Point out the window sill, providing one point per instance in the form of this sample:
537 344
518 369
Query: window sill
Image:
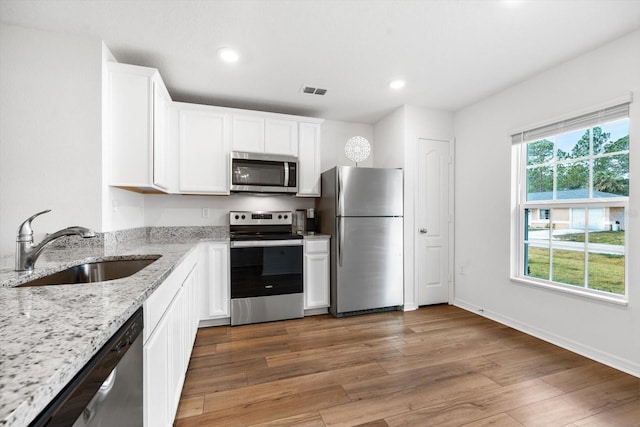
613 299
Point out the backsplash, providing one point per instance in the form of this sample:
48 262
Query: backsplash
152 234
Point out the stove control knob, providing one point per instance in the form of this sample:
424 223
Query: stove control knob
237 216
279 216
243 217
286 216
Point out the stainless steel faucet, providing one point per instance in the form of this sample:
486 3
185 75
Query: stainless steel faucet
27 253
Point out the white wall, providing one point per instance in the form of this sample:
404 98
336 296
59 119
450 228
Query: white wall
389 140
335 135
173 210
396 137
165 210
604 331
50 131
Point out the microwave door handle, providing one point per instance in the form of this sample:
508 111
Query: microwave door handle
286 174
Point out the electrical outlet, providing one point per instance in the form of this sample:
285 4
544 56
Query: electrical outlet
205 212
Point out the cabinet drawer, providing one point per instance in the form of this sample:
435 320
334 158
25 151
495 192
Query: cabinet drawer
316 246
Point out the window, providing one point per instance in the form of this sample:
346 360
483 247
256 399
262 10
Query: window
573 197
544 214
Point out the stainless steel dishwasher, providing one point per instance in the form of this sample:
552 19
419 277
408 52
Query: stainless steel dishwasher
108 389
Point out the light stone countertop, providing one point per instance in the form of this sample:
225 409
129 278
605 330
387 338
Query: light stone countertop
48 333
309 236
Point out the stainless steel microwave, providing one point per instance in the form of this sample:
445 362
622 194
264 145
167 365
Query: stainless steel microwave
263 173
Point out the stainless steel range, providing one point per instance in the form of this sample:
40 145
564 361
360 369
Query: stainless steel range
266 267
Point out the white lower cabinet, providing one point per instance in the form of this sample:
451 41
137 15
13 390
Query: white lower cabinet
316 273
156 376
215 295
169 332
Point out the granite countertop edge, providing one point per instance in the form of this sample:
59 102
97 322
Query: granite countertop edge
66 325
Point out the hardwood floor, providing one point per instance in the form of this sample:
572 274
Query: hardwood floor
437 366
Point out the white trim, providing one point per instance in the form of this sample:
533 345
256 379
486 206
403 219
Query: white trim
629 366
573 290
452 228
214 322
409 307
450 221
626 98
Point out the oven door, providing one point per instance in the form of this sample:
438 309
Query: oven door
263 173
266 281
262 268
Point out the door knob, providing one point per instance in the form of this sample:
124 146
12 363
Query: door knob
423 230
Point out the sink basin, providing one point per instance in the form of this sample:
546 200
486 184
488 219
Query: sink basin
99 271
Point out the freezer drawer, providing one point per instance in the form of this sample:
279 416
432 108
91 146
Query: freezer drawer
369 264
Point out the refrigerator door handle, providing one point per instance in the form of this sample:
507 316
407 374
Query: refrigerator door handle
339 193
340 241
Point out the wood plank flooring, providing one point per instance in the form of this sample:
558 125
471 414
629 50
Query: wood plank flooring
437 366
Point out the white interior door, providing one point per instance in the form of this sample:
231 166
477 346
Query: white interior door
432 221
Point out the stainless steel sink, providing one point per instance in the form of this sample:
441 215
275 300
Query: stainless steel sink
99 271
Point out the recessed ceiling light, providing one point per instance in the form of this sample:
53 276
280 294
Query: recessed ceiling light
228 55
396 84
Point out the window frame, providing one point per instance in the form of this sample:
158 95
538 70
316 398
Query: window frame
521 205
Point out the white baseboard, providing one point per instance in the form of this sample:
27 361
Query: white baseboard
214 322
315 311
625 365
409 307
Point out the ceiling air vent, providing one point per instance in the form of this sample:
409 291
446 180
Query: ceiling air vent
313 90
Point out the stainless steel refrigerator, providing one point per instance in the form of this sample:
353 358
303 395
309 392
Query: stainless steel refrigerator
362 209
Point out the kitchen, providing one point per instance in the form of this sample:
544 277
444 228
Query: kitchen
48 99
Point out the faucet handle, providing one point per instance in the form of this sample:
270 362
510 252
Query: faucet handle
25 232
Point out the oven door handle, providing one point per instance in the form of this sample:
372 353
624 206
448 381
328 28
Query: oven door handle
265 243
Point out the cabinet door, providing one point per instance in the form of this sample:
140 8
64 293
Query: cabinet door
309 160
204 151
316 272
248 134
176 342
130 125
161 134
281 137
156 377
190 312
215 293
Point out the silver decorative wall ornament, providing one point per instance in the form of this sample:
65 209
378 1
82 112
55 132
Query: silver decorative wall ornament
357 149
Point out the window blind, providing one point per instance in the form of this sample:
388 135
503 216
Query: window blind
580 122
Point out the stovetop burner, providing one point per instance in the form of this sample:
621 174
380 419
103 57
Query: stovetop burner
261 225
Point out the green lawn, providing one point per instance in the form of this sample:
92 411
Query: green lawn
608 237
606 272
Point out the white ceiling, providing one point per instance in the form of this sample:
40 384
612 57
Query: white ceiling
451 53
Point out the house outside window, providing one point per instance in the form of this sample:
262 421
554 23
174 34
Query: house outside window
573 180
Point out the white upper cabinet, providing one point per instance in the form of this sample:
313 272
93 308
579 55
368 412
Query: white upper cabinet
248 134
137 128
265 134
281 137
161 134
204 149
309 160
